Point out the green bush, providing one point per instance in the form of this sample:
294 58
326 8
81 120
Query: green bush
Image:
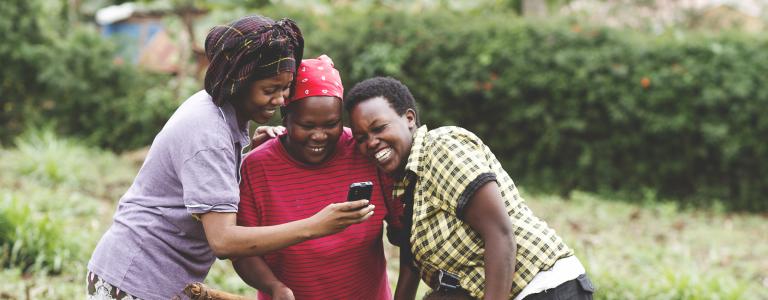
50 211
31 241
566 106
64 75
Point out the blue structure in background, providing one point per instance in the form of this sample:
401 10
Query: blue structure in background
132 36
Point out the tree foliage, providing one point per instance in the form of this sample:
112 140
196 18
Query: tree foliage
569 106
64 74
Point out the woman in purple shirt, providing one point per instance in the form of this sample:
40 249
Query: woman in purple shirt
179 213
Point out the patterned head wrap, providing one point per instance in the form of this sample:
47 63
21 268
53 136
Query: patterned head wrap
251 48
317 77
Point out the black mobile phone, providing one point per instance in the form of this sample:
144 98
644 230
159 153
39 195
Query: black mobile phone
360 190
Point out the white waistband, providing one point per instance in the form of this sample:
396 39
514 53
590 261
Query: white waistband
563 270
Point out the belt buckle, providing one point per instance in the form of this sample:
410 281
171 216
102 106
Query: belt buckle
447 281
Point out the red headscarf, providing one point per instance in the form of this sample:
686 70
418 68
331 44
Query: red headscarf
317 77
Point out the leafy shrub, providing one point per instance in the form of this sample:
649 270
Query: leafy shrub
568 106
31 241
65 76
49 208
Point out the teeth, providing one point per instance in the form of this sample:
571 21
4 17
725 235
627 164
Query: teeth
317 149
383 154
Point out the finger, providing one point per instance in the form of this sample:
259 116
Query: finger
265 131
353 205
271 131
364 217
276 130
356 216
259 138
368 215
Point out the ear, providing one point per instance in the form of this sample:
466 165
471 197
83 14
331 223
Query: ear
410 116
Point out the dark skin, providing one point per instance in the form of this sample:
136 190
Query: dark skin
256 273
485 213
226 239
378 128
313 126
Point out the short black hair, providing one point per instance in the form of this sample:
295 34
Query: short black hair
395 92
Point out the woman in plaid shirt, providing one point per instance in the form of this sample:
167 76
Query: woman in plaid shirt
465 235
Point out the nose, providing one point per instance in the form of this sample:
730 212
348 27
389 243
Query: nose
279 100
372 142
319 136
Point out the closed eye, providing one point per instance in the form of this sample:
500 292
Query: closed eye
276 89
359 139
378 129
332 125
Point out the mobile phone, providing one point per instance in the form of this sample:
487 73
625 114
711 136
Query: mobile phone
360 190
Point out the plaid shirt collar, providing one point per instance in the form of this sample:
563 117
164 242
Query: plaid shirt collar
419 139
412 165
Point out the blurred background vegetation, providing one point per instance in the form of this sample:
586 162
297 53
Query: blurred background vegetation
659 104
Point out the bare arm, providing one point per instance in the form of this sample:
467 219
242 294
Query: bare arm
408 279
229 240
256 273
486 214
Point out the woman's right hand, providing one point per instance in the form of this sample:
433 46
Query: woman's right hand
337 216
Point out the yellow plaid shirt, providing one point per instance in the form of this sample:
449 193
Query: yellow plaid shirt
448 165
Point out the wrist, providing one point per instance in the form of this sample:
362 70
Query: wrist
308 229
273 286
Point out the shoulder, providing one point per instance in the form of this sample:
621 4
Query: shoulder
450 135
346 144
199 122
346 139
267 150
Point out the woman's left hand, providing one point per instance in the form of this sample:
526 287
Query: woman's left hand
264 133
282 293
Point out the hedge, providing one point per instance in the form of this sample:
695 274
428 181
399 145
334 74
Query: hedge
65 76
563 105
567 106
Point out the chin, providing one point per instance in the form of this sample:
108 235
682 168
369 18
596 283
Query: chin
263 118
316 160
387 169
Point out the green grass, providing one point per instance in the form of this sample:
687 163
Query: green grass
58 198
660 252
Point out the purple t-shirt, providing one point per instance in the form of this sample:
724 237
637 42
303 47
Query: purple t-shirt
155 246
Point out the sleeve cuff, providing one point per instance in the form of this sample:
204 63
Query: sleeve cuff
472 187
396 236
205 208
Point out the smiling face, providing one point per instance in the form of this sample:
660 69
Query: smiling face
263 98
314 127
382 135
